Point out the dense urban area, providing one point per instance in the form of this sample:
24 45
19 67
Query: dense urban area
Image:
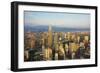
50 45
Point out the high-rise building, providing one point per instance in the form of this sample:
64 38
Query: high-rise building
50 36
48 54
55 39
29 40
73 47
68 35
86 38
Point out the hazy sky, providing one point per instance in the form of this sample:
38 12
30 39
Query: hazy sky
60 19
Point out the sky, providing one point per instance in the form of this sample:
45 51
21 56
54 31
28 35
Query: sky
59 19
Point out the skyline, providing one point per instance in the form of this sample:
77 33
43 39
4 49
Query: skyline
57 19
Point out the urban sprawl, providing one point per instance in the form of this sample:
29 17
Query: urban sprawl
50 45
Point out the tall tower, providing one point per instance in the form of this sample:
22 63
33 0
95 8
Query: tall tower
50 36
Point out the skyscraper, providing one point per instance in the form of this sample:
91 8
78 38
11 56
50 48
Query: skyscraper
50 36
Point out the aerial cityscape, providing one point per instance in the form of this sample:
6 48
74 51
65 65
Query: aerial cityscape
49 41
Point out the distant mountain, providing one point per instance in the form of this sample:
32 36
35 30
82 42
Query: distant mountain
44 28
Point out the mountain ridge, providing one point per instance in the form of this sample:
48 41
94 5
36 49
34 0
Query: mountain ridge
44 28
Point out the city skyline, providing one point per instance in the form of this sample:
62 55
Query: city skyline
45 38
